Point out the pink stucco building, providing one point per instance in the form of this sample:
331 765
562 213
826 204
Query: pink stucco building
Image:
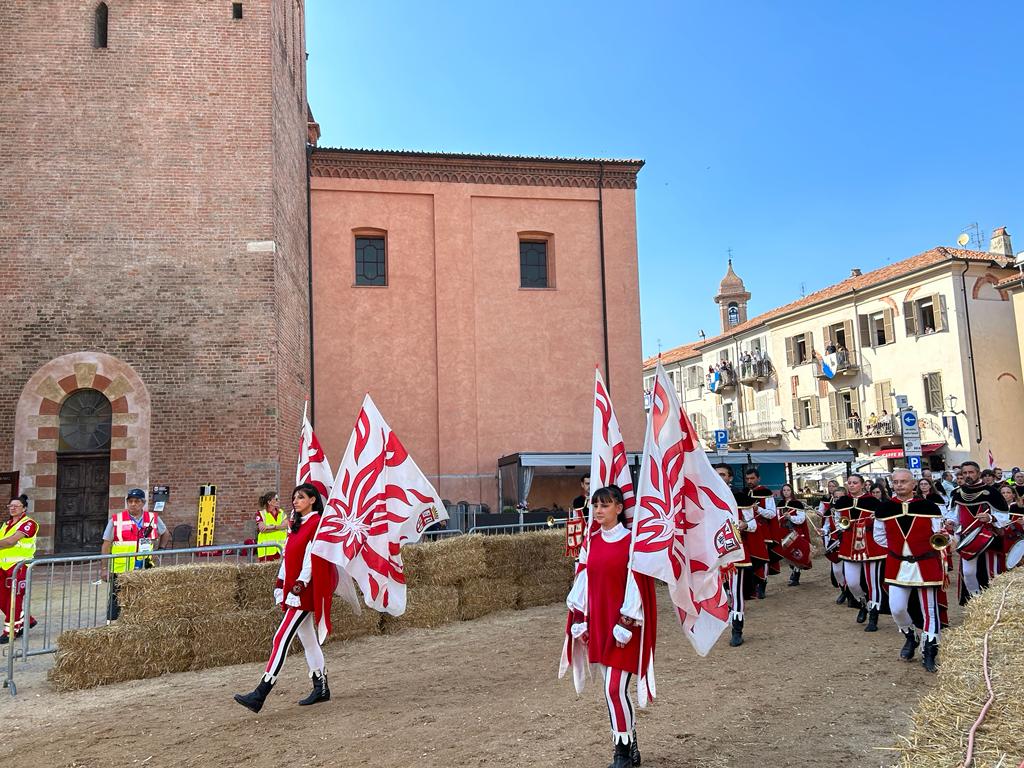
472 296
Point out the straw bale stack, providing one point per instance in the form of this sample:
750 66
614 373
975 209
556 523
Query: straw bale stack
518 555
446 562
256 585
943 717
547 584
426 607
177 592
479 597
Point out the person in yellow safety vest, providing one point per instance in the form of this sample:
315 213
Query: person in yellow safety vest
17 544
132 531
271 527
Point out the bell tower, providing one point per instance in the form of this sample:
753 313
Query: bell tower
732 300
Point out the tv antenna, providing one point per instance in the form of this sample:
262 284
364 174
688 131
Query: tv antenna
803 289
970 235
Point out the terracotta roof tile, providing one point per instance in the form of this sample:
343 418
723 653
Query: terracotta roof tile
674 355
854 282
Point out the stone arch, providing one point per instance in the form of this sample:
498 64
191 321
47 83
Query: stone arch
889 302
37 420
983 292
1005 375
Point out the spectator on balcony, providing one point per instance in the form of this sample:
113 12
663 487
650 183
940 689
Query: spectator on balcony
830 348
842 356
872 424
854 422
884 423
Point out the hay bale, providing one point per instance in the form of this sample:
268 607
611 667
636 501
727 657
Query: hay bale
479 597
517 555
177 592
446 562
256 586
345 625
942 718
426 607
240 637
117 652
545 586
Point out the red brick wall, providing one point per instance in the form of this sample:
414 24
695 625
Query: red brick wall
140 174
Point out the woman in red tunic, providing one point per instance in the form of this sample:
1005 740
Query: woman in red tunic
616 616
303 590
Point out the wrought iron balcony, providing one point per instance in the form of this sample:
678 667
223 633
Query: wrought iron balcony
844 429
755 371
754 431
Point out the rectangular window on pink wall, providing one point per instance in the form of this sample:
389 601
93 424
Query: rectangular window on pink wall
533 264
371 261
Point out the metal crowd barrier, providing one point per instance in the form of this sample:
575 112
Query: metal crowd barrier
75 596
517 527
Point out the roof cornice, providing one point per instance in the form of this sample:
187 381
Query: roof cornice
474 169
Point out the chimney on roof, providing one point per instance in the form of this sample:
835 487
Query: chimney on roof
1000 244
855 272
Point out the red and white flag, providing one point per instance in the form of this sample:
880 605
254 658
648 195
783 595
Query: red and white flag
609 464
313 466
684 529
991 459
380 501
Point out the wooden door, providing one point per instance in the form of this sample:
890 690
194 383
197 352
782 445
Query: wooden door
83 490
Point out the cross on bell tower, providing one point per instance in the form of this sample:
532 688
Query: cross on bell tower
732 299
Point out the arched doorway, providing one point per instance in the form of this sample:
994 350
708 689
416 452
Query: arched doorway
83 471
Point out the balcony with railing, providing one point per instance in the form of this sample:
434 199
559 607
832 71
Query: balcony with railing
836 364
721 379
752 432
755 371
842 430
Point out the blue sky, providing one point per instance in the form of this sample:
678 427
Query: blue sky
808 137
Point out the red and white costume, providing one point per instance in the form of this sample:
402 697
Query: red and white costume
830 539
966 503
914 570
863 558
755 556
604 590
304 612
792 518
769 530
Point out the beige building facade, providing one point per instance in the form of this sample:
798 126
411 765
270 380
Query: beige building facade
826 371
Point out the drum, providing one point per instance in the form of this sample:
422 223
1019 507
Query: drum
795 549
976 542
1015 555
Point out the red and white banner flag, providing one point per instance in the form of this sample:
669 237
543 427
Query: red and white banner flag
609 464
991 459
380 501
313 466
684 529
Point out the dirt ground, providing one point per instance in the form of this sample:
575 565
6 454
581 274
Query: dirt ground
809 688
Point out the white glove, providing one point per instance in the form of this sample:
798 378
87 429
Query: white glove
622 634
578 630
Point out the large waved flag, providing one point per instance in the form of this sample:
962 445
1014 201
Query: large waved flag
684 528
313 466
991 459
609 464
829 364
380 501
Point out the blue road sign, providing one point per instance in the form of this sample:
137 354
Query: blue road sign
913 462
721 438
909 419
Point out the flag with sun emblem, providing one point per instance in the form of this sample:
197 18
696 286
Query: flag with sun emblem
380 500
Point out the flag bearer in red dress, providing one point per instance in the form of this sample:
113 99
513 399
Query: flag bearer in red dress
914 568
768 530
863 558
305 584
743 579
616 616
17 544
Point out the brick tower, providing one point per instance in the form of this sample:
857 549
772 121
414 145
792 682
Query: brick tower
153 252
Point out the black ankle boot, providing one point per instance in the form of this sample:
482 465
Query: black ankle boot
621 757
320 690
862 614
737 633
851 601
759 590
843 594
872 621
930 654
794 579
254 700
634 750
909 645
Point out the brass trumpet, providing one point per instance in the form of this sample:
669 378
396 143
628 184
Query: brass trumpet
844 523
940 541
551 521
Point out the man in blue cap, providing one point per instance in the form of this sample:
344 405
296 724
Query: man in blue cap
131 532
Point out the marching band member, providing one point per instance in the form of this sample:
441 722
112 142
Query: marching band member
914 568
304 588
767 530
17 544
1013 532
793 518
977 511
616 613
863 559
830 539
742 578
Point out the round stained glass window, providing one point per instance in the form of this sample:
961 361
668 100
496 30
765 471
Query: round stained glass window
85 422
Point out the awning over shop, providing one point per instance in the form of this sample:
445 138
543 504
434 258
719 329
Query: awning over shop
897 453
